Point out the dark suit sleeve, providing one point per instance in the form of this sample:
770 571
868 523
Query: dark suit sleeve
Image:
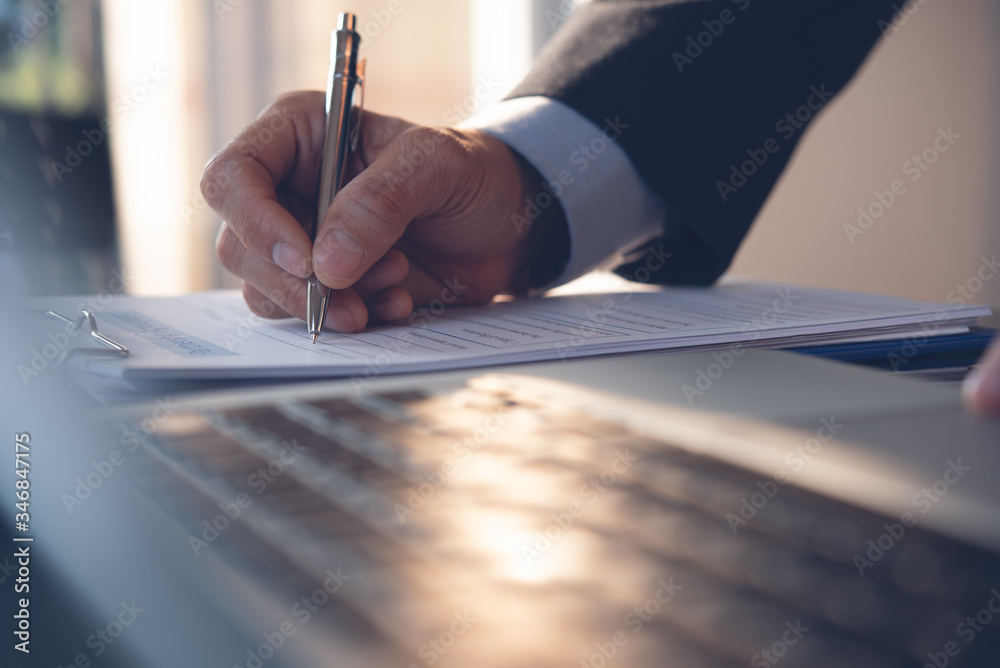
715 95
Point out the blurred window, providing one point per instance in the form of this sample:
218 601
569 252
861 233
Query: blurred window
56 211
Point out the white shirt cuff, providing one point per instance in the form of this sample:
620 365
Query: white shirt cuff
608 206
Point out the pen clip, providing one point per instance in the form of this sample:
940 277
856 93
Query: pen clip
358 109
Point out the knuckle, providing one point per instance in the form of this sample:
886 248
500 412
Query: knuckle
379 209
285 291
438 143
295 108
216 178
277 296
442 153
294 101
228 249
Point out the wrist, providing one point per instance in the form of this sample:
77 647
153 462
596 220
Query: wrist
541 220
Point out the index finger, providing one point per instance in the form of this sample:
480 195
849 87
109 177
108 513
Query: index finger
280 147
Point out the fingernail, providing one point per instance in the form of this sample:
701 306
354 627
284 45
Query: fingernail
339 255
291 259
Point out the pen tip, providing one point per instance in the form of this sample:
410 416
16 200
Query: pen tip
315 336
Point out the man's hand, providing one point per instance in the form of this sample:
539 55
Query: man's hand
427 215
981 389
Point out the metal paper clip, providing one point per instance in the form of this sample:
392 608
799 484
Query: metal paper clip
87 318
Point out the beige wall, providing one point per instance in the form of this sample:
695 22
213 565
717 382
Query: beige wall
417 51
938 70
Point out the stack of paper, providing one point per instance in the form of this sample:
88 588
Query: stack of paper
212 336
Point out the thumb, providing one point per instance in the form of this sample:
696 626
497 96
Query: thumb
414 176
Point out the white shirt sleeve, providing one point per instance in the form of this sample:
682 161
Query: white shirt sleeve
608 206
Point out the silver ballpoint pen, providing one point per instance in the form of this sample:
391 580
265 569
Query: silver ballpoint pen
343 125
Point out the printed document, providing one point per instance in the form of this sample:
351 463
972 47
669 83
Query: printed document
214 336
